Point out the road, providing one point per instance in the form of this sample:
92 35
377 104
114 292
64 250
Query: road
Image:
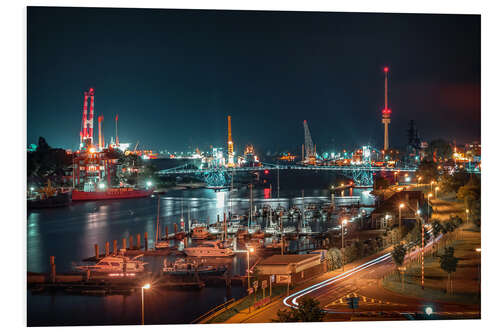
361 279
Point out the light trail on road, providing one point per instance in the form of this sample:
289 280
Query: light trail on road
294 297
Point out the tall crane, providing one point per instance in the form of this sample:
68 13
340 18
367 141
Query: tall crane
310 153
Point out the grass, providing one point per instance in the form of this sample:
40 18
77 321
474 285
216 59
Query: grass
465 279
245 303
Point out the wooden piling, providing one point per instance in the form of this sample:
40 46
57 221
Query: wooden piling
52 269
107 249
96 248
131 242
175 228
166 232
138 241
185 242
115 247
124 243
146 241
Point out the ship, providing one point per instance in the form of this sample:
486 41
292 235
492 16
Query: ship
111 193
49 197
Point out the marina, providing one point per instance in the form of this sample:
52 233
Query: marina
129 228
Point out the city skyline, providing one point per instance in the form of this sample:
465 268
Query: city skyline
175 75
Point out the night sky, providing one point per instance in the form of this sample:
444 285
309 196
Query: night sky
174 76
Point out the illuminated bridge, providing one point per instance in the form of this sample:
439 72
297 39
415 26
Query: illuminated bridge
362 175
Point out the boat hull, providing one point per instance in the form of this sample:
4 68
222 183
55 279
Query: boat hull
110 194
60 200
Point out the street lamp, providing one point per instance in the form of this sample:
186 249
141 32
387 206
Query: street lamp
432 183
478 251
344 222
428 204
467 213
146 286
402 205
249 250
428 310
418 180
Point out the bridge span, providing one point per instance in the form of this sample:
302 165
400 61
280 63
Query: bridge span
362 175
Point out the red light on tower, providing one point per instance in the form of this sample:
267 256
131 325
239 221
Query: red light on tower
266 171
386 69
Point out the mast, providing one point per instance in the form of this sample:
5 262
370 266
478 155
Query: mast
158 220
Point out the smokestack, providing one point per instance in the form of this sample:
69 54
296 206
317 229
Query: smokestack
116 129
100 143
84 118
91 116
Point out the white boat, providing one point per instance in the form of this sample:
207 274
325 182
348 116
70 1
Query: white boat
216 230
208 249
272 230
253 228
116 264
200 232
289 230
306 229
233 228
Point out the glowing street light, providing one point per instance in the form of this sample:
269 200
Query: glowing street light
146 286
428 310
467 213
428 204
436 191
418 180
343 224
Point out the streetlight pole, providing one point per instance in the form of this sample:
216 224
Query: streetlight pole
250 249
402 205
344 222
429 195
146 286
436 189
467 213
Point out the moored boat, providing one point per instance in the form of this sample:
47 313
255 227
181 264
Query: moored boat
209 249
184 266
116 264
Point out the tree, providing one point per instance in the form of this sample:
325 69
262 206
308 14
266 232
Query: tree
307 311
333 259
441 149
428 171
470 193
451 183
398 256
449 264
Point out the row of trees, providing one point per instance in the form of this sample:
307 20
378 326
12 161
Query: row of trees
448 262
466 186
356 250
